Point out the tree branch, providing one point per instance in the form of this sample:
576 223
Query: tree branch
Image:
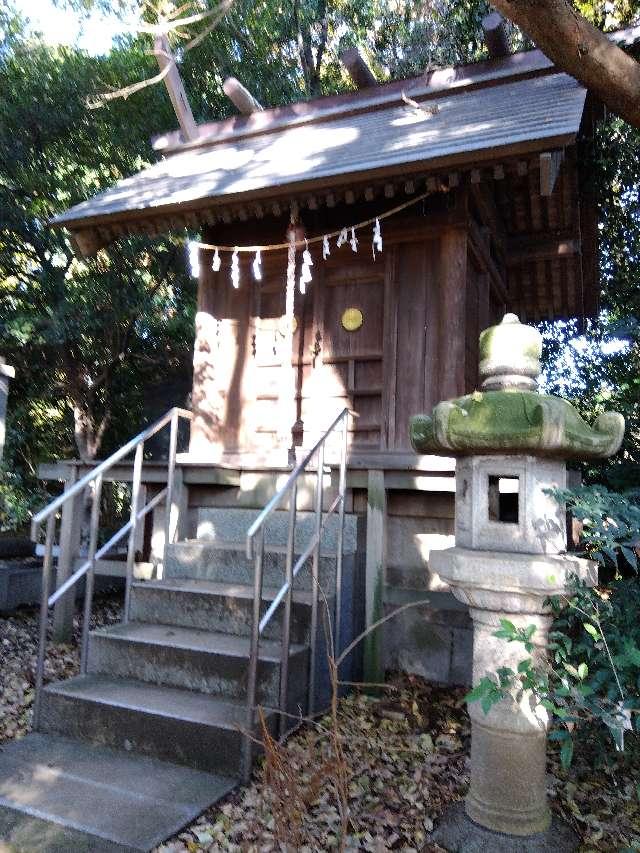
172 23
578 48
103 97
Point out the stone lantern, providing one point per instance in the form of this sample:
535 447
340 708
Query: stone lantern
512 444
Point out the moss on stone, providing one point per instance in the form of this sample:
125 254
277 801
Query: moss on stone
515 422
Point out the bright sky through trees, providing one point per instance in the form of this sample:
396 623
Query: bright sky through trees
94 33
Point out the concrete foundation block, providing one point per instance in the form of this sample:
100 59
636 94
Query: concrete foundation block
61 795
20 583
410 540
211 561
433 640
194 660
223 608
461 670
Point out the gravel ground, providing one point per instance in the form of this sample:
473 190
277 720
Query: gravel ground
18 650
405 760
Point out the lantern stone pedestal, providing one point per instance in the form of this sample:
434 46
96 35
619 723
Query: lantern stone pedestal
508 745
509 558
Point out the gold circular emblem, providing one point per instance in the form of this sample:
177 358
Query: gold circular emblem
352 319
282 325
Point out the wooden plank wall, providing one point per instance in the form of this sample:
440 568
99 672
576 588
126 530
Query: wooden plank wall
423 303
425 328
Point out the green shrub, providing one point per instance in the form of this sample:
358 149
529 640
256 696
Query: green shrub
18 500
610 523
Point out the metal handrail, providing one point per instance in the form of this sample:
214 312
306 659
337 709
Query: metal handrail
255 551
102 467
49 514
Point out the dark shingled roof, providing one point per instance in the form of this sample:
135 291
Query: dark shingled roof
469 125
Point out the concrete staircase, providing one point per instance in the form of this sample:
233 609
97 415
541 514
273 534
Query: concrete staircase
155 720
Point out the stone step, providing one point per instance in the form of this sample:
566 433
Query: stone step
192 729
59 795
194 659
222 607
230 524
226 562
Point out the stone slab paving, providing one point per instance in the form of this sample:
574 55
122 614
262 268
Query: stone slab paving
59 795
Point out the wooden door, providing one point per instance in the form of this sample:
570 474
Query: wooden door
344 365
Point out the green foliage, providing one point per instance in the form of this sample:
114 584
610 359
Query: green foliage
598 367
115 331
590 683
610 522
608 15
596 638
91 340
18 498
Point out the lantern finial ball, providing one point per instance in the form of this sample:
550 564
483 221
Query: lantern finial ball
510 356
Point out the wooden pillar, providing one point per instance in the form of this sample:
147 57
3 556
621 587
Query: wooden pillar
209 348
179 507
375 575
452 313
70 532
484 302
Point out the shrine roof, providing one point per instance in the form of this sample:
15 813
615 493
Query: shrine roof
468 115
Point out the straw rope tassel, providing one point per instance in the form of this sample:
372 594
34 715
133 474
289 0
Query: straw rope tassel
287 394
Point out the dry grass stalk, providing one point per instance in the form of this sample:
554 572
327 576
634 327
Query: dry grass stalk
287 796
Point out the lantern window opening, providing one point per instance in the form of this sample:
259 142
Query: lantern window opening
503 499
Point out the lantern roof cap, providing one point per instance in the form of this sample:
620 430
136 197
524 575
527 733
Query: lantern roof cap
508 415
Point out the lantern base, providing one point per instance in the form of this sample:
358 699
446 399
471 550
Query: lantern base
457 833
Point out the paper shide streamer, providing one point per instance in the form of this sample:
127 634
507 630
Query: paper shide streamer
257 266
194 259
235 269
295 240
377 238
305 272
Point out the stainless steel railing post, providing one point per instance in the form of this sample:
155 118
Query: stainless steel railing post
313 550
103 467
133 518
44 617
342 489
89 581
315 582
48 514
253 653
286 616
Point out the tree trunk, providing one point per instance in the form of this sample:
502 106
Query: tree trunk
88 438
581 50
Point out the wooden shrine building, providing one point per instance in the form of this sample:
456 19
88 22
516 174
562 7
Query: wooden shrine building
492 155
